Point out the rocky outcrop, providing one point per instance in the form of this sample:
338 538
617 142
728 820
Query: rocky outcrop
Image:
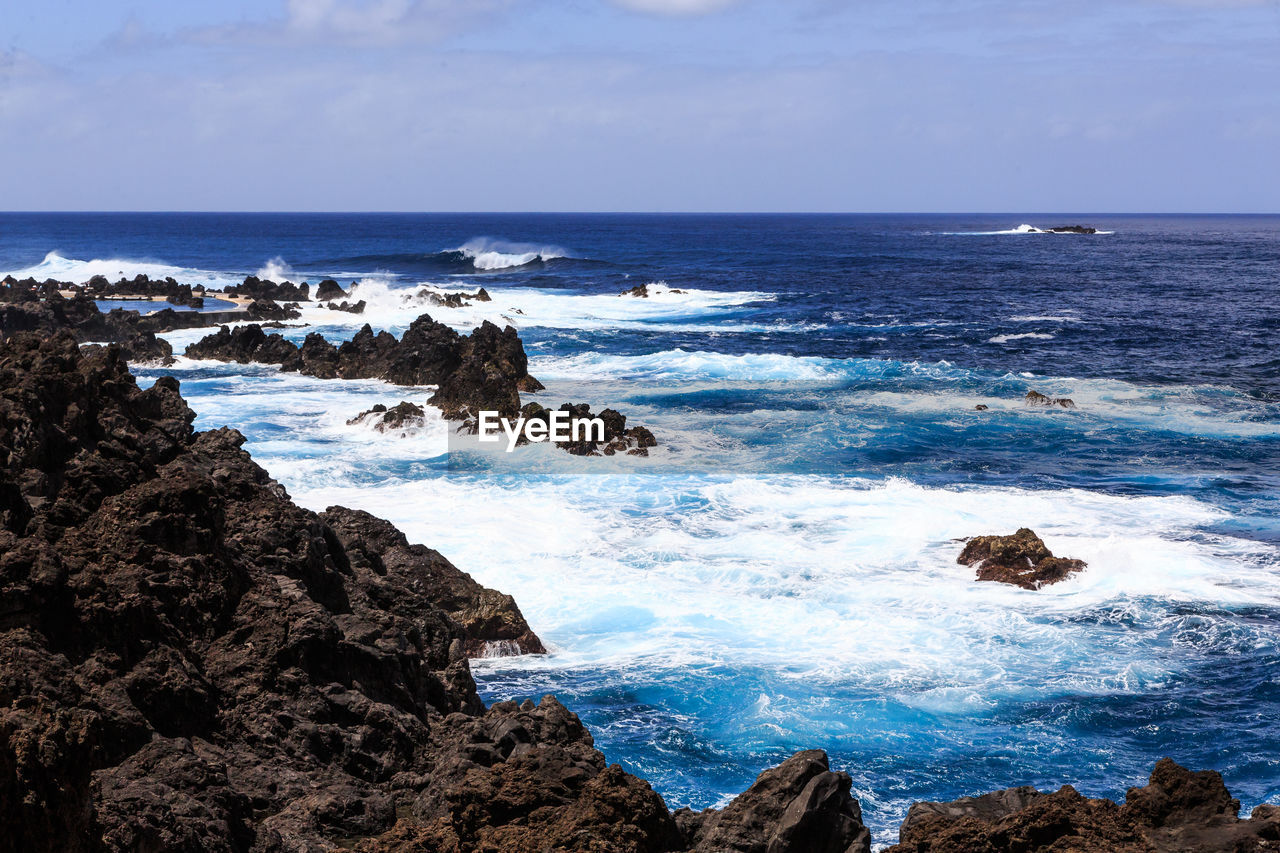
1035 398
348 307
399 418
267 309
615 438
328 290
81 317
1177 812
1021 559
284 291
453 299
800 806
1072 229
482 371
189 661
640 291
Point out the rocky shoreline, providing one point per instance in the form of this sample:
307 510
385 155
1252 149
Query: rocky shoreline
189 661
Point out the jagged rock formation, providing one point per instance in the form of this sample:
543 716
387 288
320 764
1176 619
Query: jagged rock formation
1177 812
266 309
800 805
189 661
328 290
1072 229
640 291
455 300
485 370
1021 559
1035 398
284 291
616 438
348 307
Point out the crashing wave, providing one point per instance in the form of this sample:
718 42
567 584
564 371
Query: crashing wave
488 255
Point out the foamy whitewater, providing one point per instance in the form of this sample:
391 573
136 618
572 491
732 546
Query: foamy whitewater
781 572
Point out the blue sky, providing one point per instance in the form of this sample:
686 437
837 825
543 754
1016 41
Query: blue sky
862 105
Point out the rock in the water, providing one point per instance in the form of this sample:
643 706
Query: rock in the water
800 806
1177 812
1021 559
328 290
981 407
348 307
257 288
616 437
402 417
1073 229
640 291
481 371
1035 398
267 309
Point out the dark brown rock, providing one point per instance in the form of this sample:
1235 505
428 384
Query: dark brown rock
401 417
1021 559
1177 812
800 806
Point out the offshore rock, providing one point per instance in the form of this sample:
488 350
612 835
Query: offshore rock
257 288
1073 229
1179 811
1021 559
1035 398
328 290
617 438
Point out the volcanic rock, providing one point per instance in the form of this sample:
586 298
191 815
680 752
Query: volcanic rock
1179 811
617 438
1073 229
800 806
328 290
640 291
189 661
1021 559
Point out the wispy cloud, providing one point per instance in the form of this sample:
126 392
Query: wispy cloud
677 7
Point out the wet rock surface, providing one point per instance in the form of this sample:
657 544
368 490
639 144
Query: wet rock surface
401 417
1021 559
1035 398
615 438
1178 811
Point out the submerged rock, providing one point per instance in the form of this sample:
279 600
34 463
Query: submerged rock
403 416
1035 398
1179 811
1021 559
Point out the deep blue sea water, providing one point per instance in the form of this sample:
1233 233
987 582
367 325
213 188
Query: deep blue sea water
781 573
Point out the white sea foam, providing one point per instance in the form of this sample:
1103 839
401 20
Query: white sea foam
691 310
856 582
60 268
276 269
1003 339
1021 229
1048 318
488 254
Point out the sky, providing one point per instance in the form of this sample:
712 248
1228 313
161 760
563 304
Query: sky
641 105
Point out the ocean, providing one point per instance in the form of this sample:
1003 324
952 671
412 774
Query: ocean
781 572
